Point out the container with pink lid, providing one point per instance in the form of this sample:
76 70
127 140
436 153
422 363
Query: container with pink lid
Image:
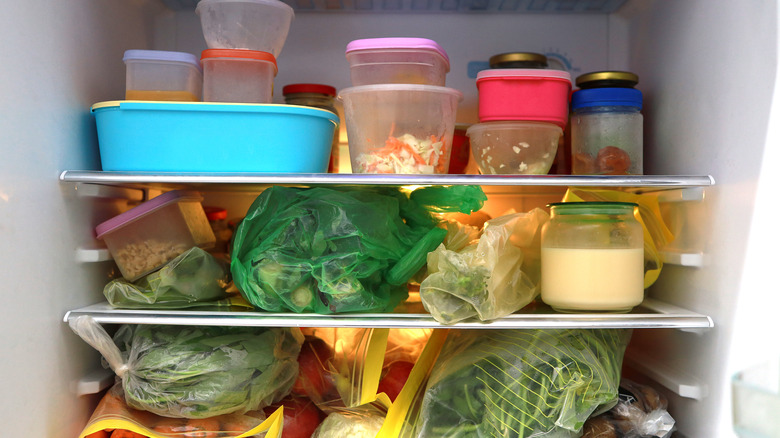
144 238
397 61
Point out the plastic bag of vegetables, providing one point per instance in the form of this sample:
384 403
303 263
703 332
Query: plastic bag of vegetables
198 372
521 383
332 250
194 278
489 279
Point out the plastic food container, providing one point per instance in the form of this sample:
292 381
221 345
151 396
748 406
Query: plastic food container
231 75
524 94
398 128
213 137
161 76
515 147
260 25
592 257
606 132
397 61
146 237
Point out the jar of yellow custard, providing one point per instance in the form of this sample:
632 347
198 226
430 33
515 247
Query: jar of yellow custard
592 257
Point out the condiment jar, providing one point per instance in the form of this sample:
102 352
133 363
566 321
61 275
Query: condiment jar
607 79
606 131
219 225
318 96
518 60
592 257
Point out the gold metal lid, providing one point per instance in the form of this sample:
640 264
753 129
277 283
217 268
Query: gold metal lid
630 79
517 57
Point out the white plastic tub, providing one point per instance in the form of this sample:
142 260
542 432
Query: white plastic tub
232 75
260 25
160 75
397 61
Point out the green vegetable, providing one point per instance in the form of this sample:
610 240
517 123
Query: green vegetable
349 424
521 383
199 372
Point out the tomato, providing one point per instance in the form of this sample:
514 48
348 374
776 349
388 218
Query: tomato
613 161
395 378
314 379
301 417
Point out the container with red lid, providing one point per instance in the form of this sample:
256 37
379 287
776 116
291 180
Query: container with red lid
524 94
145 238
397 61
318 96
241 76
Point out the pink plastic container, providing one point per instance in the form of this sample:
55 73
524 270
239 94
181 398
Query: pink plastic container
524 94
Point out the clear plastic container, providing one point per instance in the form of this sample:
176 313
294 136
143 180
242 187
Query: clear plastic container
260 25
144 238
606 132
162 76
592 257
245 76
514 147
397 61
398 128
318 96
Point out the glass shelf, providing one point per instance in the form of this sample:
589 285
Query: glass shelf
651 314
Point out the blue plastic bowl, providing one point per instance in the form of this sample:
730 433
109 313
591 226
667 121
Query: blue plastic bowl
213 137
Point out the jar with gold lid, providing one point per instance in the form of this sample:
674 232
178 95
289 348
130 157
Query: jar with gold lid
518 60
607 79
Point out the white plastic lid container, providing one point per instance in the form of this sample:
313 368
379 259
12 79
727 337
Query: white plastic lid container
159 75
145 238
260 25
397 61
232 75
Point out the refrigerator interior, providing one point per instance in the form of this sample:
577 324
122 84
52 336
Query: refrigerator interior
707 69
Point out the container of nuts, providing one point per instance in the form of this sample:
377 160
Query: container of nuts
145 238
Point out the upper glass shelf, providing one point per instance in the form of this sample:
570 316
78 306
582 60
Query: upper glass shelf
254 180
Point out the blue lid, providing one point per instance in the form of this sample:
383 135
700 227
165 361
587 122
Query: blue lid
161 55
606 97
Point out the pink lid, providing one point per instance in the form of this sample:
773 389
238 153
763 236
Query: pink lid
512 73
398 43
147 207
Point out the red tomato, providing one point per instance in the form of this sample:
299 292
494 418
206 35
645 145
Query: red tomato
395 378
613 161
301 417
313 380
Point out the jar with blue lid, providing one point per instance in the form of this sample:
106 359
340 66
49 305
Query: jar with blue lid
606 131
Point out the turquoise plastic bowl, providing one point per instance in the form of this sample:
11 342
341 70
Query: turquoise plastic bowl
213 137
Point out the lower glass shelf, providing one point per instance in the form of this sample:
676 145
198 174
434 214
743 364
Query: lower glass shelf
651 314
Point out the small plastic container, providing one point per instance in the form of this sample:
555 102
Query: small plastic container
244 76
397 61
158 75
260 25
399 128
592 257
518 60
514 147
536 95
317 96
606 132
146 237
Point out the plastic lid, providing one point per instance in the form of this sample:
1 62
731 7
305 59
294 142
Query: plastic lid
517 57
274 3
618 78
239 53
215 213
593 207
606 97
394 88
160 55
308 88
147 207
398 43
508 73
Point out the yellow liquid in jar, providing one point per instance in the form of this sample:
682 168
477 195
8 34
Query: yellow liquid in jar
179 96
593 279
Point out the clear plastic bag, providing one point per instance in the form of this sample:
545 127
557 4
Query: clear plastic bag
639 413
350 424
492 278
194 278
198 372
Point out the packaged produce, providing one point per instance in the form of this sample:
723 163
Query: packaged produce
198 372
349 424
493 277
331 250
194 278
521 383
301 416
639 413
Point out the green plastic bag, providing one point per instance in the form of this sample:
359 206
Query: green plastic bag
333 250
194 278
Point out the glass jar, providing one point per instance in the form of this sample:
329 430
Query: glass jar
607 79
592 257
318 96
219 225
606 131
518 60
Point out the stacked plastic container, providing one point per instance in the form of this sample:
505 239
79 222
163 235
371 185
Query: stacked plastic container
522 113
400 117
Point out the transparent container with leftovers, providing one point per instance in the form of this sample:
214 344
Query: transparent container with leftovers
232 75
260 25
160 75
514 147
